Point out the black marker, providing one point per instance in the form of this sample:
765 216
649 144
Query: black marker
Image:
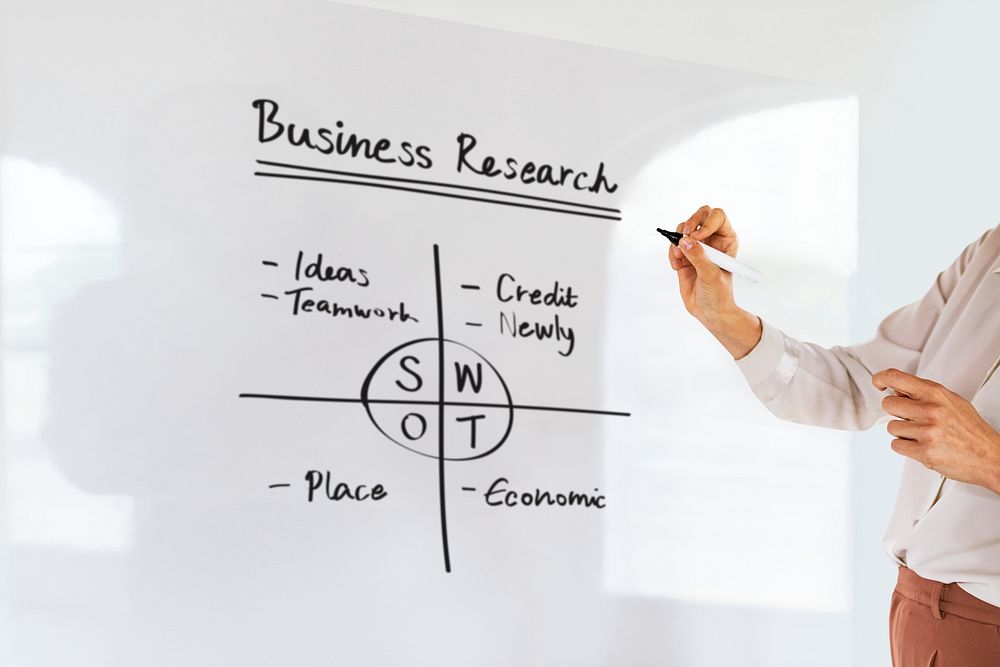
719 258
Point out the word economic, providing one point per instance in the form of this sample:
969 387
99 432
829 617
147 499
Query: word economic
337 140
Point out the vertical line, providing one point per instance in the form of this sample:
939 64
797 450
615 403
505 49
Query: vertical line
440 457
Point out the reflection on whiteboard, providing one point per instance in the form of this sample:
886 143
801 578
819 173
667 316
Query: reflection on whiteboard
764 502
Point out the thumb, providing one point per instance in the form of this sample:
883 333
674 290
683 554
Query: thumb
696 255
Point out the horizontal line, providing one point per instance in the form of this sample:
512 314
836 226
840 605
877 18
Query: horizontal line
269 263
354 174
275 486
308 399
436 194
551 408
474 324
474 404
468 488
269 296
470 286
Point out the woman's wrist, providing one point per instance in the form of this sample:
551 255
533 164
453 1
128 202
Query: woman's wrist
738 330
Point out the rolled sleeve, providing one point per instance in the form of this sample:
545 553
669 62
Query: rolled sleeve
831 386
770 365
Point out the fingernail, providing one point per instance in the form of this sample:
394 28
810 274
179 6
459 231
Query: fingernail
686 243
686 230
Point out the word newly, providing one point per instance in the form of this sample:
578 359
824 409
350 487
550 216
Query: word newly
509 290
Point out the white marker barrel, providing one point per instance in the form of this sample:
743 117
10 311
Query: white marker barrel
731 264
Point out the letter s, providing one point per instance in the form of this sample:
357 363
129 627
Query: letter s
412 372
424 153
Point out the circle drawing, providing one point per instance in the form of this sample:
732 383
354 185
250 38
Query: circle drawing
469 416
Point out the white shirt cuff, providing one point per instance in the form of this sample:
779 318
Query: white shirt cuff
770 365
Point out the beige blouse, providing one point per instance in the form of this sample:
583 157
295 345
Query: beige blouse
942 529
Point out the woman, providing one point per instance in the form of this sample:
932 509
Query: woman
928 374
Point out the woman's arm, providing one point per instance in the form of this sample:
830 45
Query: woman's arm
796 380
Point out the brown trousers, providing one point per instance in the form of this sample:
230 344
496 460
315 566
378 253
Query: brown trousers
932 624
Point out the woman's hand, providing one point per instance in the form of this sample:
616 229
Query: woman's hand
707 290
940 429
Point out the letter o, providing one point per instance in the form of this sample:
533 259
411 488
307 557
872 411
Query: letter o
406 431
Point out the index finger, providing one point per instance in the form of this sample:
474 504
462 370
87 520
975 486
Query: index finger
901 381
716 222
697 218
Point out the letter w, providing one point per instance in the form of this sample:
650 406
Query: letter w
464 373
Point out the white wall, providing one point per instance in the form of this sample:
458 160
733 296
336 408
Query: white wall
924 73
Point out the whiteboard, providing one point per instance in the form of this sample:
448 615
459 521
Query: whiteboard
330 337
